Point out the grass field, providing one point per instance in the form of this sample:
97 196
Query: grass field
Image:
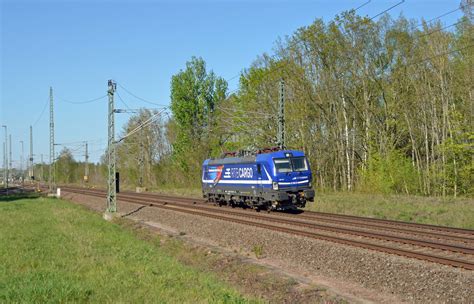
54 251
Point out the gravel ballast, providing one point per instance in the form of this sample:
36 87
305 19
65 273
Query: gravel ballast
369 275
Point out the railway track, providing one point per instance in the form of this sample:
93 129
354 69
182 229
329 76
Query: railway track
428 250
423 230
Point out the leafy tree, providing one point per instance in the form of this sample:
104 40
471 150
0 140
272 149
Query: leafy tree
195 95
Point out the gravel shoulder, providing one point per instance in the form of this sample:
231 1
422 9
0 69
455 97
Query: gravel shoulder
345 273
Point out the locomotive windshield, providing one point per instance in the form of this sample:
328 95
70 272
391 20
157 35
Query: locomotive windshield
285 165
282 165
299 163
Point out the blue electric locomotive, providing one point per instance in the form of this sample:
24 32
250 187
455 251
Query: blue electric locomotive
271 180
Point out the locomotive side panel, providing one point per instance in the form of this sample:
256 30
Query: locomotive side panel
259 181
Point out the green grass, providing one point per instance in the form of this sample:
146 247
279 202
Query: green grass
426 210
54 251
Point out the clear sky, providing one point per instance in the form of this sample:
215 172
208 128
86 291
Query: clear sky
76 46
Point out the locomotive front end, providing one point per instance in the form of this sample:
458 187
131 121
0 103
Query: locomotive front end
292 176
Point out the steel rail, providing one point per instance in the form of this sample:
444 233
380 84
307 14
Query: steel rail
352 221
361 222
295 222
357 219
397 251
356 232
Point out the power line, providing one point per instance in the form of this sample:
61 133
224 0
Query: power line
138 97
362 5
441 54
442 28
441 16
142 125
81 102
123 101
303 52
42 112
388 9
296 42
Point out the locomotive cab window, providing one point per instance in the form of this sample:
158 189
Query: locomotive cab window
282 165
299 163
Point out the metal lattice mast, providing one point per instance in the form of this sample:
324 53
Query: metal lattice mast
51 142
4 166
111 181
281 116
10 158
5 158
22 156
141 161
41 169
86 165
30 164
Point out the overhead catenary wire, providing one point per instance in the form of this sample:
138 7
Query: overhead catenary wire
442 28
388 9
355 10
296 41
123 101
443 15
423 60
81 102
142 125
138 97
42 112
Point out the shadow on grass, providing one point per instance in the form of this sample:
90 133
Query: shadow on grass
15 194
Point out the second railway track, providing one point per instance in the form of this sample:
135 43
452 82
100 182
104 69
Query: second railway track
433 251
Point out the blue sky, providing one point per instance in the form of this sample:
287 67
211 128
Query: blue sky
76 46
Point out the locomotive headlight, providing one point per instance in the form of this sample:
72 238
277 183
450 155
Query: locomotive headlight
309 184
275 186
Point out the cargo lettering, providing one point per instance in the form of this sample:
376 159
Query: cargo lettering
240 173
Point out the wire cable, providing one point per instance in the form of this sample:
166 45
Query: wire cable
441 16
388 9
442 28
82 102
138 97
355 10
42 112
441 54
142 125
120 97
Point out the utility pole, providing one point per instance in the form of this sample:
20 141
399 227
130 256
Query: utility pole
51 142
86 165
281 116
111 181
21 161
5 157
31 171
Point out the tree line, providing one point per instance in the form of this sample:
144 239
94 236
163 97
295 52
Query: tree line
378 106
